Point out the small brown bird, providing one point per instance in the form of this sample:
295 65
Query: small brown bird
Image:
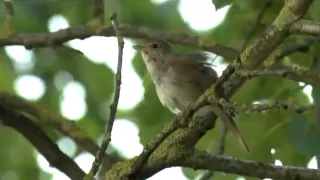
181 78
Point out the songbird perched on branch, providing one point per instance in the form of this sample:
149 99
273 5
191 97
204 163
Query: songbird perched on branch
181 78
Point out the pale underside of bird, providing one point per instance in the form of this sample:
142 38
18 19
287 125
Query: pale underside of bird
181 78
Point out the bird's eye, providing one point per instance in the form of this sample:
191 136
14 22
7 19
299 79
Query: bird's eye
154 46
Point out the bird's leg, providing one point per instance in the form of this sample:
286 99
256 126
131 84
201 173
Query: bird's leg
227 106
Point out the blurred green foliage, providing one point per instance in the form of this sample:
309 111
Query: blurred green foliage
294 137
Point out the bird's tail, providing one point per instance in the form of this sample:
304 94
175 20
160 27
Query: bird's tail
229 123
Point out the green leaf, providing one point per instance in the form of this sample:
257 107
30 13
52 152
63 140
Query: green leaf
304 136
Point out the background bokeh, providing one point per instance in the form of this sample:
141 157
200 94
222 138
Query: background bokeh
80 87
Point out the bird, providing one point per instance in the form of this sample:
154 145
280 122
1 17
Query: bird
181 78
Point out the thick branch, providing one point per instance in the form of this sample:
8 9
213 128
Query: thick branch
201 160
31 40
306 27
64 126
41 142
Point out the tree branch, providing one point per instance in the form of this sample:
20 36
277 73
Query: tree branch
305 47
66 127
295 72
306 27
250 108
32 40
113 107
25 126
202 160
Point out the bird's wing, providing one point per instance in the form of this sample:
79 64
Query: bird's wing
194 68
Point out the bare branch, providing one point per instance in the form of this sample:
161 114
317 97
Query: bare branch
262 107
113 107
64 126
305 47
25 126
295 72
32 40
306 27
202 160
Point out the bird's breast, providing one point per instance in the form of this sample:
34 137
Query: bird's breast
176 94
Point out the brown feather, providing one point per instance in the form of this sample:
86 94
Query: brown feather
181 79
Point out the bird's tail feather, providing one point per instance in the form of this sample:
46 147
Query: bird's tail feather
230 125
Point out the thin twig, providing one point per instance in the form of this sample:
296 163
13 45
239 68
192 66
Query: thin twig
295 72
275 105
113 107
9 14
264 7
296 48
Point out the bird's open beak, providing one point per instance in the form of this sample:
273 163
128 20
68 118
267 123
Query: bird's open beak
138 47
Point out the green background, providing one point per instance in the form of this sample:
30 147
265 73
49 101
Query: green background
294 137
